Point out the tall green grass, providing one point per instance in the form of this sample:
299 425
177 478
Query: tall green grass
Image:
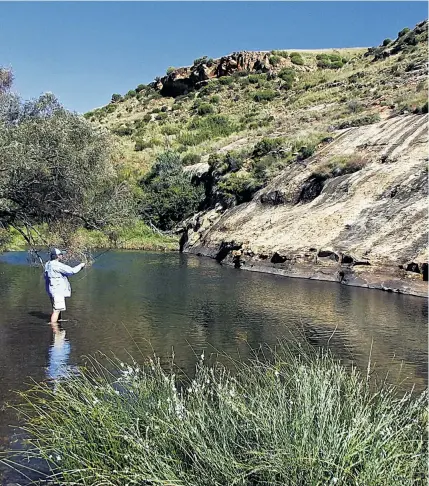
290 420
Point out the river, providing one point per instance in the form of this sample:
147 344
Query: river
136 303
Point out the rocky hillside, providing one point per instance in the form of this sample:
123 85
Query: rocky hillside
314 163
355 212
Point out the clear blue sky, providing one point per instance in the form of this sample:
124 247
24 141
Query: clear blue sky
85 51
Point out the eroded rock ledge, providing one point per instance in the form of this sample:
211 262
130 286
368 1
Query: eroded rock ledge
410 278
367 228
184 79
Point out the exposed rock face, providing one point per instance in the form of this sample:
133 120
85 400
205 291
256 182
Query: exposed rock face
367 228
184 79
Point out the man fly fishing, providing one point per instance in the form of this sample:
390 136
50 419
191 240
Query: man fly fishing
57 283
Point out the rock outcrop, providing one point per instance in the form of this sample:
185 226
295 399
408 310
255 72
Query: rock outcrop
184 79
366 228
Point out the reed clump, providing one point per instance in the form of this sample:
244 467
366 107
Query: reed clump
293 419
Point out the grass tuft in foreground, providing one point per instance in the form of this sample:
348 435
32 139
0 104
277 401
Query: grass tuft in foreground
293 420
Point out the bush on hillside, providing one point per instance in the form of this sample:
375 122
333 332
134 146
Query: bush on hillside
170 70
201 60
161 116
168 194
148 143
226 80
213 125
330 61
123 131
283 54
237 188
403 32
116 98
265 95
274 60
191 159
205 109
359 121
170 129
337 166
386 42
266 146
296 58
288 76
257 78
141 87
131 94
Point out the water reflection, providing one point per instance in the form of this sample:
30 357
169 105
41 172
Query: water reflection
58 355
133 303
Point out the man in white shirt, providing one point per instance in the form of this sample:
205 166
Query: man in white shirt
57 283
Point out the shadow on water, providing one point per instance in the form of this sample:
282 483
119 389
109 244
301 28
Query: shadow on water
40 315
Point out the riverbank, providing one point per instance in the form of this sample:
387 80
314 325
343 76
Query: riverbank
325 268
296 418
136 237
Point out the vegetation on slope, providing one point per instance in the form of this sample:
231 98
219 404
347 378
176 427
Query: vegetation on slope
291 110
248 127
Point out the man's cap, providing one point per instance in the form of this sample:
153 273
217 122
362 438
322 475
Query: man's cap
56 252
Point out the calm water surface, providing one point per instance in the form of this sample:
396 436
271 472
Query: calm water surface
139 303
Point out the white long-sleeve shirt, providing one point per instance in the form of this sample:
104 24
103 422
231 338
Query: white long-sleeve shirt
56 274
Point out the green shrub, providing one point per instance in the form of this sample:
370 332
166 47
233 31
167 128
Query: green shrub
330 61
192 139
386 42
141 87
200 60
215 125
161 116
340 165
274 60
170 70
211 87
205 109
168 194
266 95
241 186
170 129
296 58
145 144
215 99
147 118
191 159
226 80
267 145
116 98
288 76
283 54
123 131
240 74
403 32
359 121
257 78
131 94
261 167
306 151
